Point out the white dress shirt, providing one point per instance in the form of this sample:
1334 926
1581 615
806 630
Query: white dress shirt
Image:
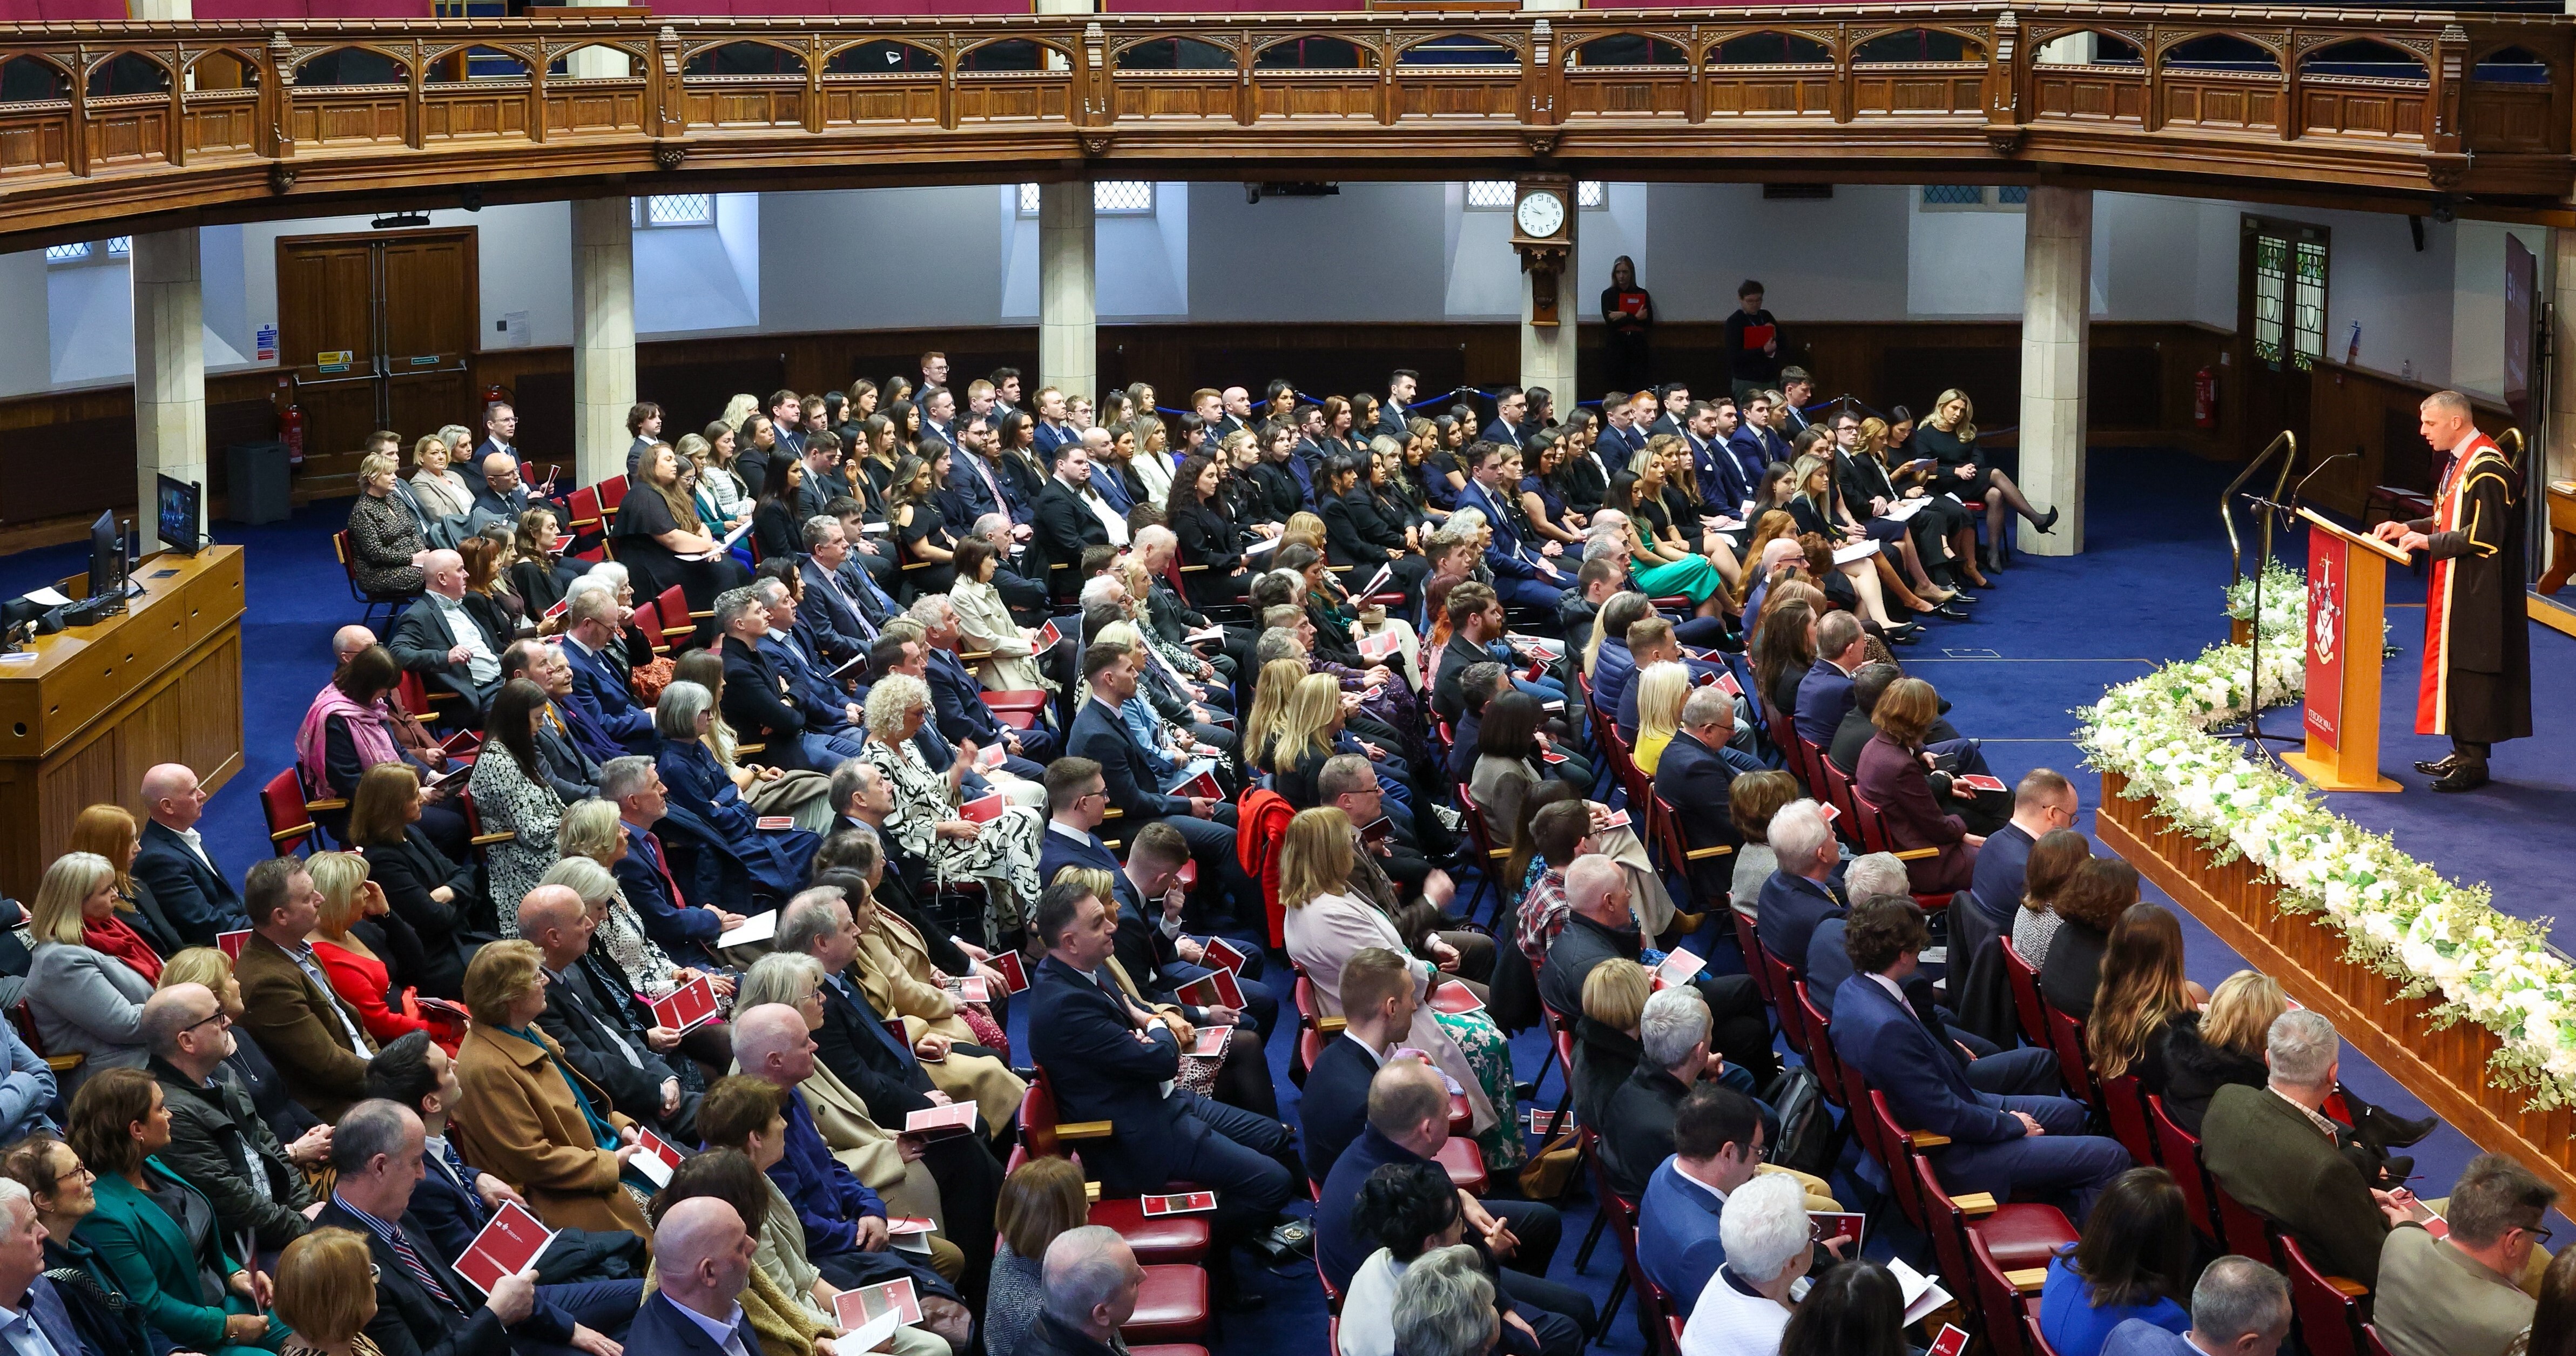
725 1332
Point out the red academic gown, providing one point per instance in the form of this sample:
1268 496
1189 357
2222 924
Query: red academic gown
2476 684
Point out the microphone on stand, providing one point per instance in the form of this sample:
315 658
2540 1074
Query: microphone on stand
2298 495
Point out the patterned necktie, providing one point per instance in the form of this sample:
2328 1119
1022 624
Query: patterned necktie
419 1271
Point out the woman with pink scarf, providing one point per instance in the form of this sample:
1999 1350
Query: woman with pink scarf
345 732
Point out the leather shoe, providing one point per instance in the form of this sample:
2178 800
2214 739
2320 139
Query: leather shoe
2435 767
1908 635
2463 777
2045 522
1946 610
2394 1132
1961 597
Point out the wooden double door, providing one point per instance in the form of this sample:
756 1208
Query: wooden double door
379 331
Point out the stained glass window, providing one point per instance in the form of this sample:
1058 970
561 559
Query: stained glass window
2308 308
2271 295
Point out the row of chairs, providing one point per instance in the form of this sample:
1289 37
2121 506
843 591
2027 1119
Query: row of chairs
1173 1315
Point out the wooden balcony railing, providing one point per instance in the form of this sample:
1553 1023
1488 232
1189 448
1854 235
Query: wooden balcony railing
120 122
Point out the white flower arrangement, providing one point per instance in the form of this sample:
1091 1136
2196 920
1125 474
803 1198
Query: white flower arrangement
2398 916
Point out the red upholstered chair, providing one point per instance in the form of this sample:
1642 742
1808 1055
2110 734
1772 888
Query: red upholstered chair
2028 1006
2000 1304
1172 1305
290 816
1749 938
1821 1055
1465 1164
2066 1037
2018 1235
2038 1340
2370 1342
2125 1103
2330 1309
1793 1025
2179 1150
1162 1239
2244 1232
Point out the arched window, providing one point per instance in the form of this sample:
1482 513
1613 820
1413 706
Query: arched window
1771 49
128 73
2221 52
1175 54
350 66
223 70
2363 57
27 79
1458 49
1311 54
883 58
745 58
1916 44
1010 54
2504 66
1626 49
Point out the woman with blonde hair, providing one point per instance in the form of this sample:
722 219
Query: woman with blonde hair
1308 731
90 973
1819 510
435 483
1661 689
1330 926
326 1294
1271 693
1949 436
1001 851
386 550
353 905
2222 1043
1606 1041
530 1118
110 831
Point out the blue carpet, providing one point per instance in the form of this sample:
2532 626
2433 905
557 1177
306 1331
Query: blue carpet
2044 641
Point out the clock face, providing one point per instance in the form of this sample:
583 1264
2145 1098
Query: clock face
1541 214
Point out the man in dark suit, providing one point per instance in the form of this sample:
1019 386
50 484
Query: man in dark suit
450 638
1478 681
1378 998
2273 1149
1408 1122
639 1081
2043 803
776 685
1696 780
1109 1060
702 1254
1800 894
1511 411
1752 450
1670 401
2239 1307
1069 518
1825 693
569 748
686 933
599 691
1600 925
1719 1143
851 610
957 698
2034 1147
1099 735
1524 572
423 1308
24 1288
194 894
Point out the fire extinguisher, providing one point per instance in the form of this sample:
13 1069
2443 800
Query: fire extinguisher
290 431
495 394
2204 398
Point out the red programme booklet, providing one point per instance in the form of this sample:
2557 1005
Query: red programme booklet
657 1157
507 1246
853 1308
983 809
688 1007
1182 1203
230 943
1015 977
1217 987
941 1122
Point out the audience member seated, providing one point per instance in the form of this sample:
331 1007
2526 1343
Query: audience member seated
2141 993
348 730
1719 1142
2089 905
320 1047
1109 1060
1379 995
592 622
623 955
433 896
2129 1263
1479 684
1825 690
1408 1121
2239 1307
89 973
155 1233
1411 1211
193 891
1001 851
368 954
2043 803
1695 778
1768 1245
217 1140
379 1153
1042 1201
1637 1134
515 792
2463 1294
2273 1149
2054 860
1091 1277
1607 1045
1892 775
527 1116
1751 801
1328 924
1445 1306
2026 1145
1599 927
1856 1309
386 551
111 832
1659 690
703 1261
702 797
802 794
1799 894
686 932
592 1028
453 636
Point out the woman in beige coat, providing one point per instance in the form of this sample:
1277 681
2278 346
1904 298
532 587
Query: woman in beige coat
895 973
986 626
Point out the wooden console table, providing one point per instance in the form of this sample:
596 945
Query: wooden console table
161 683
2446 1068
2562 536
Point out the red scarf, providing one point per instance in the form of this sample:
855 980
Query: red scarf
114 938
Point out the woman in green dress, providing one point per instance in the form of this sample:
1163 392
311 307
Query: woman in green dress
1660 558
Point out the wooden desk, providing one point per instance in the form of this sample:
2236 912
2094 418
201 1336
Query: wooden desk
161 683
2562 534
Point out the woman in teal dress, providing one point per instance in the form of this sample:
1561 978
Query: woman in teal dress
156 1233
1660 559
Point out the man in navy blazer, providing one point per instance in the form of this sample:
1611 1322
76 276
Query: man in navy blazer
1108 1060
1511 409
590 625
1523 573
193 891
686 933
1378 998
1825 693
702 1259
2025 1146
957 698
2043 803
1696 780
1800 894
1099 735
833 599
1717 1147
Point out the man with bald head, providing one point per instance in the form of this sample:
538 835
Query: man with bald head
500 494
702 1253
594 1024
451 638
1092 1281
218 1141
195 895
1601 925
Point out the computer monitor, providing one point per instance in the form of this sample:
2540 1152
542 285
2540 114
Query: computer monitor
106 557
181 513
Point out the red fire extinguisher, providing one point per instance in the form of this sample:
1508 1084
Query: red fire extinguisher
2204 398
290 431
495 394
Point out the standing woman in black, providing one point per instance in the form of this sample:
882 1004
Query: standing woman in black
1629 313
1949 437
1197 514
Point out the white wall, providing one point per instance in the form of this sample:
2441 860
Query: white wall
1376 252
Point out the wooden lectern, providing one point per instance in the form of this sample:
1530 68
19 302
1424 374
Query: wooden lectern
2347 594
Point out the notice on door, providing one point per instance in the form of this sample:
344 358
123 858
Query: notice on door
332 360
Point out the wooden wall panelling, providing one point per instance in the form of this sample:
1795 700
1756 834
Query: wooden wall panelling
2357 410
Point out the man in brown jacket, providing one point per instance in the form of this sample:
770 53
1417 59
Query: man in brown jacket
309 1032
2275 1152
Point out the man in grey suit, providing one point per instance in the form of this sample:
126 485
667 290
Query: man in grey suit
2240 1308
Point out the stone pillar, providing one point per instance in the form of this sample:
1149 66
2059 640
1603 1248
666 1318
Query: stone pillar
2056 294
1068 318
169 370
1547 351
603 335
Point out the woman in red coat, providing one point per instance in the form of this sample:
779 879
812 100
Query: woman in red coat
1893 774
